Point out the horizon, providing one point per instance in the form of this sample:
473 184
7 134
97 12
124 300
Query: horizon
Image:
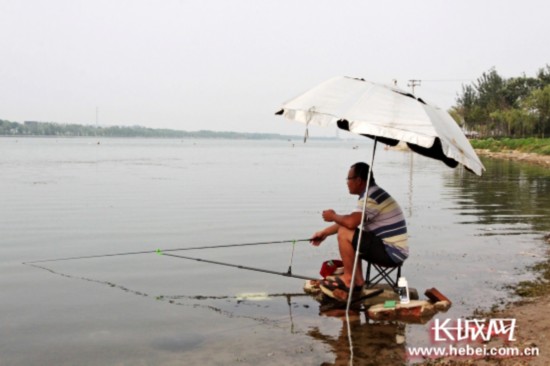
336 136
193 65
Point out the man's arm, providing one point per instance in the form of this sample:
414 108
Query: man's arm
319 236
350 221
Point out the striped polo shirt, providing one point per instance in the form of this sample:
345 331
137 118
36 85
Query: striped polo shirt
385 219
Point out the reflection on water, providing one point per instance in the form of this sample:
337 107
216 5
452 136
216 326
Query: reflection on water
381 343
511 198
470 237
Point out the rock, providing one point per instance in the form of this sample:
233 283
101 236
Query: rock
442 306
312 287
435 296
416 311
388 294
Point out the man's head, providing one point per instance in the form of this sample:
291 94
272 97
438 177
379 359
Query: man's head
357 178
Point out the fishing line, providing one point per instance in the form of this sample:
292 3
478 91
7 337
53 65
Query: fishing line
165 250
286 274
251 296
291 257
175 300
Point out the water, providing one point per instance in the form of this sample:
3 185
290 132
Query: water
470 237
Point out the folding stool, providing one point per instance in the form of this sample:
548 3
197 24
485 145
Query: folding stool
383 273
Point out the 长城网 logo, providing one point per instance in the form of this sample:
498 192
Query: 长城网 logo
449 330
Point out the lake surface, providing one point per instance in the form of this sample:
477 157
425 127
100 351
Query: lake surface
469 238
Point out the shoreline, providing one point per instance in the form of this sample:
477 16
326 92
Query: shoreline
530 312
541 160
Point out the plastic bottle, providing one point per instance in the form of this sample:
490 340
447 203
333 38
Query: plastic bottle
403 290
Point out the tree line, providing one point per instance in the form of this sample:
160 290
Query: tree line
32 128
494 106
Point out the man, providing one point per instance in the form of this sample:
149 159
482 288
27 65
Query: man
384 236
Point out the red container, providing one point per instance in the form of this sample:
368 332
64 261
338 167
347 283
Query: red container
329 267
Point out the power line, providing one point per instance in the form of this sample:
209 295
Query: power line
446 80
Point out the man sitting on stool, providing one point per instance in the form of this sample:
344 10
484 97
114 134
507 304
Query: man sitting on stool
384 235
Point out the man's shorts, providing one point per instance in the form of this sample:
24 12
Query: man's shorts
372 249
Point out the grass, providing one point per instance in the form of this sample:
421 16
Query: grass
527 145
541 284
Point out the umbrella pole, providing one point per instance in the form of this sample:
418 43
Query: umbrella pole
361 229
352 283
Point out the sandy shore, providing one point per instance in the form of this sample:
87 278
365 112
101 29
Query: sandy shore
532 319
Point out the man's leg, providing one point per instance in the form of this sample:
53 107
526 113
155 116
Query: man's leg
347 253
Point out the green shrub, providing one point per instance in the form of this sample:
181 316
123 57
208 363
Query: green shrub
531 144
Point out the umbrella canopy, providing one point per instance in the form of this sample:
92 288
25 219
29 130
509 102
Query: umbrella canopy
387 113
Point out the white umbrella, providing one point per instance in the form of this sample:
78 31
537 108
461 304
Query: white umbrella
386 113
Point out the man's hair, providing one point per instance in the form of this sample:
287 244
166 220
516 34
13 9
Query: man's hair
361 170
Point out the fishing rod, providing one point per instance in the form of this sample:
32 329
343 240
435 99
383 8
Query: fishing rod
165 250
286 274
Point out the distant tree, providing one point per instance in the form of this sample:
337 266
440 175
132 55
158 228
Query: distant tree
517 122
455 113
468 105
517 89
516 106
543 76
490 88
538 104
33 128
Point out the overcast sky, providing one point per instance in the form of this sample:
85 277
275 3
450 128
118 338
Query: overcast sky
227 65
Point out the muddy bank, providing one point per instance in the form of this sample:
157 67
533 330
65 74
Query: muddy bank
542 160
531 314
531 331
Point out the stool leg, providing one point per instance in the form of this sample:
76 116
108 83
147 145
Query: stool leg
383 273
367 279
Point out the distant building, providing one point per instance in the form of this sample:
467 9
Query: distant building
471 134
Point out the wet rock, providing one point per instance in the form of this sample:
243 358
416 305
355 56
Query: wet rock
416 311
442 306
435 296
312 287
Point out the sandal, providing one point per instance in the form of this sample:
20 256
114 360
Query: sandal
337 289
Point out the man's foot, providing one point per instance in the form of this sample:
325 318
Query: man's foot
338 283
337 289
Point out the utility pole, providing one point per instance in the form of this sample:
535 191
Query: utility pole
412 83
